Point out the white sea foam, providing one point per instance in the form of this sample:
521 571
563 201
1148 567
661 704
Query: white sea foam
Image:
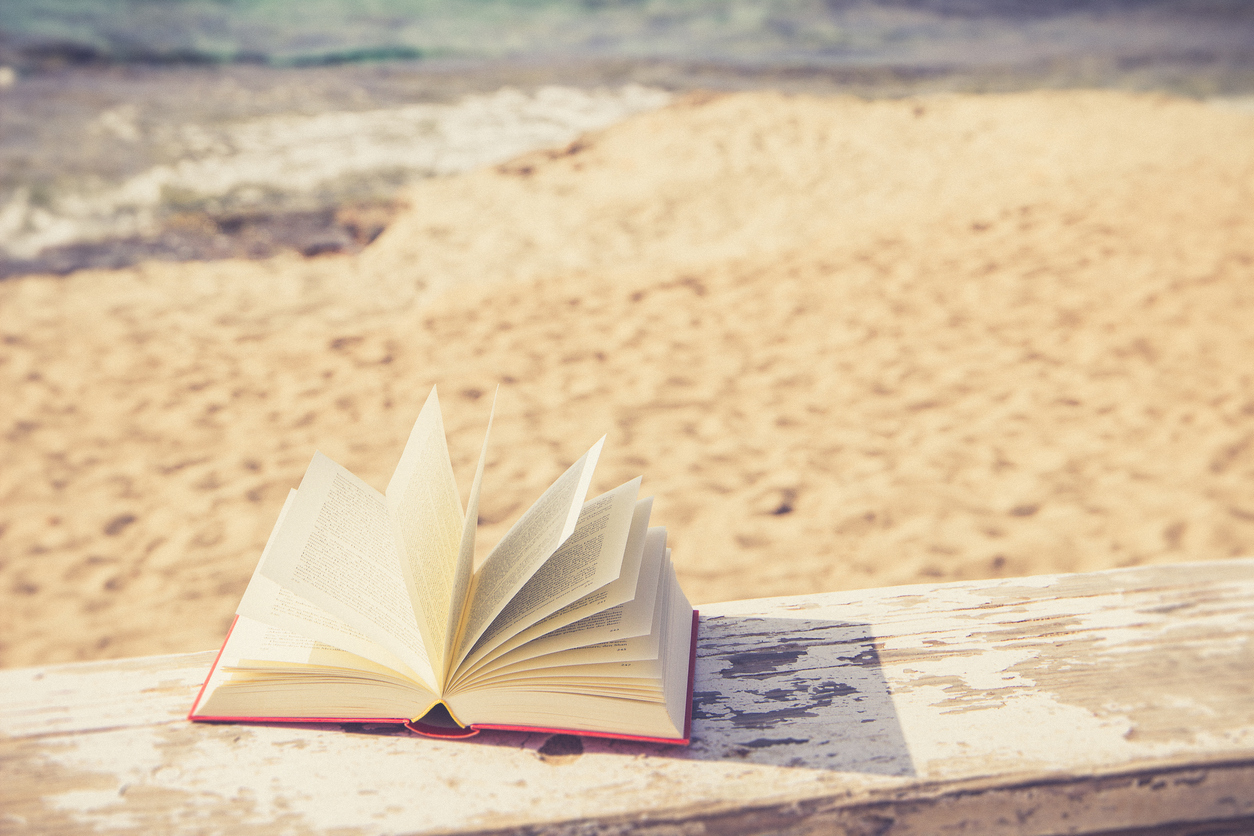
1241 103
283 157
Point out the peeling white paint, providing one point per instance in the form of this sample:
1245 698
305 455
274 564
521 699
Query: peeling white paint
846 699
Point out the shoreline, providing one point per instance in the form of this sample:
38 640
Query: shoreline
192 107
237 162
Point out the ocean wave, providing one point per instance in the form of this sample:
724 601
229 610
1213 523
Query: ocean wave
301 161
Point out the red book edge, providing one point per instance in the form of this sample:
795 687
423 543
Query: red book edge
469 731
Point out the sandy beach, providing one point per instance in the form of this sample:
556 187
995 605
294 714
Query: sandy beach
847 343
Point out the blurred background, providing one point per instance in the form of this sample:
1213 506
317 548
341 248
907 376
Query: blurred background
893 333
185 129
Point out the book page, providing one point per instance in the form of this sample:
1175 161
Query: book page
599 705
266 671
612 635
677 650
267 602
463 571
634 649
592 673
603 600
260 646
589 559
622 621
619 650
336 549
633 657
606 711
427 523
634 618
525 547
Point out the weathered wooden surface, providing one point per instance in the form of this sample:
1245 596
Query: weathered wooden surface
1063 704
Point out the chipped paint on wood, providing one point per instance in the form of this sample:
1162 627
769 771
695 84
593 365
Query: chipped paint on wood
1071 703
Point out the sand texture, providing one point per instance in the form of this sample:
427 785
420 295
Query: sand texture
847 344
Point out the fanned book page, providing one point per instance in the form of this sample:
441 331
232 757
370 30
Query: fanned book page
368 606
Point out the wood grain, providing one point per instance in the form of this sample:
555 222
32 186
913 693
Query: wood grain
1118 701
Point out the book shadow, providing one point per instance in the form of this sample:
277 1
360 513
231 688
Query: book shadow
800 692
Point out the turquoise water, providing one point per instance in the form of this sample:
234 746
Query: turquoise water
301 32
134 129
921 33
284 32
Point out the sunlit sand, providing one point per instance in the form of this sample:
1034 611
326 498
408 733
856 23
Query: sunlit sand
847 344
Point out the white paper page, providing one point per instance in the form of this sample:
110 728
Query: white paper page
634 649
427 522
624 621
635 669
267 602
571 709
255 646
589 559
337 551
267 671
526 546
565 665
605 598
558 651
260 646
464 569
677 650
563 707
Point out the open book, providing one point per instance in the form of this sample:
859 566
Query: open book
368 607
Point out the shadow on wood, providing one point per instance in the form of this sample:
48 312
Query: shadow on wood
801 693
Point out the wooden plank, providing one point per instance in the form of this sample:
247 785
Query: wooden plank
91 696
1061 704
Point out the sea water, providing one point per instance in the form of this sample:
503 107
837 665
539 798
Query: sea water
197 128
